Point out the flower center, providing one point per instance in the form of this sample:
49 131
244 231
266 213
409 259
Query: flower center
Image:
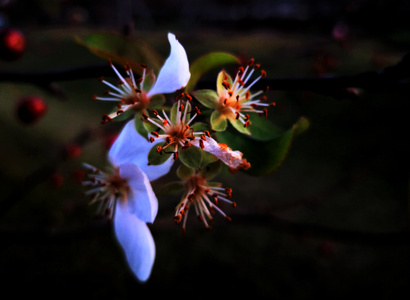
106 189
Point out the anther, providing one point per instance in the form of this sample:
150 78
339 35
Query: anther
119 112
175 155
186 145
178 218
189 98
263 98
251 61
94 97
201 144
144 66
180 97
151 139
154 133
198 111
247 123
155 113
144 115
272 104
263 73
226 85
101 79
257 66
237 115
137 90
159 149
207 133
266 89
181 107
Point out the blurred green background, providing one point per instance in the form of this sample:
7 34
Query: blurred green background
331 222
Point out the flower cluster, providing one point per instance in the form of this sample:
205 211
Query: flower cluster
159 135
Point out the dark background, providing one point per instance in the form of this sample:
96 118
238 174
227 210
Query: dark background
331 222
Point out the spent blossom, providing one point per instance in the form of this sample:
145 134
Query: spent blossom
205 197
233 99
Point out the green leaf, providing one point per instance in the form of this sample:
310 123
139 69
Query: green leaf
139 125
218 121
191 157
199 127
122 50
128 114
210 170
149 80
264 156
262 128
207 98
156 158
208 62
171 188
185 172
238 125
156 101
208 157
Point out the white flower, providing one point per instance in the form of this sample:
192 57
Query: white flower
146 92
126 194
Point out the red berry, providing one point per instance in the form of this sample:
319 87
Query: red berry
56 180
12 44
30 109
72 151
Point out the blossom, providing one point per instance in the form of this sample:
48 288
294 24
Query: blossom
233 99
146 92
178 135
125 195
204 196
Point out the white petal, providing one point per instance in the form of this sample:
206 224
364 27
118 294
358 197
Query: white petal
174 74
131 147
136 241
231 158
141 198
